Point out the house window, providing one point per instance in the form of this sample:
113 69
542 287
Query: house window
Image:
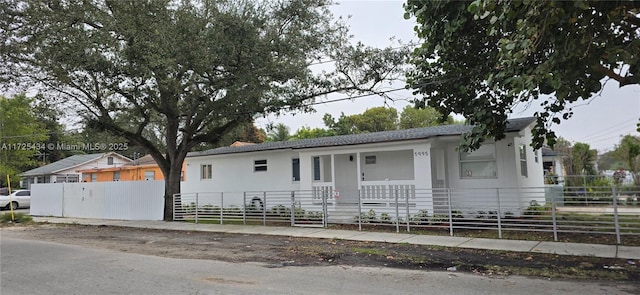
94 177
150 175
523 160
205 171
316 168
370 159
259 165
116 176
480 163
295 166
109 160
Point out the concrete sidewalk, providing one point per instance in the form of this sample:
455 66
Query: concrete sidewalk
578 249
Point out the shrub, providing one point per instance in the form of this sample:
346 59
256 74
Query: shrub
536 209
312 215
439 219
368 217
422 217
385 218
281 211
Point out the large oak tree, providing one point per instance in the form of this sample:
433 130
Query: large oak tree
483 58
187 72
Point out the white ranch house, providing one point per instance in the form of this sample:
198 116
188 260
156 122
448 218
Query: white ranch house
374 170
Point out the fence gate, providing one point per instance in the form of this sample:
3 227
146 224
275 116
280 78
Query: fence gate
306 211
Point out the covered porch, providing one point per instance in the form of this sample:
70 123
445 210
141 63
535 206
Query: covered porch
376 178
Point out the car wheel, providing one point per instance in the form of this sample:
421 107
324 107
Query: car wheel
14 204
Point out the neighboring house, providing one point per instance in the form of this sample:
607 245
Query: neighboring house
66 170
144 168
552 164
369 165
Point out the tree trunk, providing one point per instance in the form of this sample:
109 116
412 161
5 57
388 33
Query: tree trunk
172 189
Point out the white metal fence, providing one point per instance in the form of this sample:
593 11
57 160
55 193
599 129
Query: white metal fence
552 209
127 200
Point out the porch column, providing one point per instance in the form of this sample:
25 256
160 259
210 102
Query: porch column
359 170
333 171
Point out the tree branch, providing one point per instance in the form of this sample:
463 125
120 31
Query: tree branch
623 80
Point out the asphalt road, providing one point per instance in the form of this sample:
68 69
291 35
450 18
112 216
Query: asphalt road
35 267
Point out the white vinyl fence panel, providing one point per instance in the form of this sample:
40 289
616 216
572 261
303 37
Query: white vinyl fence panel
46 199
125 200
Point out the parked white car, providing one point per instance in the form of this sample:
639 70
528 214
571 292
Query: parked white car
19 199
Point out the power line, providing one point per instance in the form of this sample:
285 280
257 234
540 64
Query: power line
606 130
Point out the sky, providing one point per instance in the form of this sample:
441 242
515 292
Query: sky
600 121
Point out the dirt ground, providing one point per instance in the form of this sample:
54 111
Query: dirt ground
278 251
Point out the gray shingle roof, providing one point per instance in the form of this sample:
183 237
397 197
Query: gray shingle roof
362 138
547 152
63 164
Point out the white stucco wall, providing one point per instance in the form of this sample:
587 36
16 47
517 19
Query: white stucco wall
507 165
235 173
535 170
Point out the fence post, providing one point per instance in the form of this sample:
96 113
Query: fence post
264 208
196 207
499 213
325 211
293 208
174 203
450 212
244 208
221 208
406 203
397 211
360 209
616 218
584 188
554 220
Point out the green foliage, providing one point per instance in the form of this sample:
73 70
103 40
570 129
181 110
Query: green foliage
483 58
246 132
422 217
384 119
306 132
22 138
583 159
279 132
17 217
412 117
536 209
369 217
610 161
385 218
372 120
49 115
171 75
629 151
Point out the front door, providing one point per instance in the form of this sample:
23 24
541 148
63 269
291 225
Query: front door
346 182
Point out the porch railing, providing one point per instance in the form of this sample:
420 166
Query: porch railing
386 191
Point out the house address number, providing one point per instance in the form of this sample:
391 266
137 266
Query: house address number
417 154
